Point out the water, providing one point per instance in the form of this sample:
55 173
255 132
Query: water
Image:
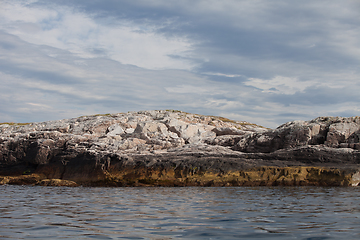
33 212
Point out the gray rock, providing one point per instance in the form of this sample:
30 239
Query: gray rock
228 131
88 147
329 131
114 130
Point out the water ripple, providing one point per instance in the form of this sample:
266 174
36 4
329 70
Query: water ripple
33 212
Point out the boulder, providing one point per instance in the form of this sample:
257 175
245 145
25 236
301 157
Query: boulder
114 130
332 132
190 132
220 131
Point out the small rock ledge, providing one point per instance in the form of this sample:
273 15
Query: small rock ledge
174 148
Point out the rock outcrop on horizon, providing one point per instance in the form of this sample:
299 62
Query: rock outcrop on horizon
174 148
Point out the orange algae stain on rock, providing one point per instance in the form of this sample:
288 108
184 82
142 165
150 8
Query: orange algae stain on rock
35 179
259 176
21 179
57 182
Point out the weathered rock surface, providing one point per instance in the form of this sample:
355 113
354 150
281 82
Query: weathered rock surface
333 132
173 148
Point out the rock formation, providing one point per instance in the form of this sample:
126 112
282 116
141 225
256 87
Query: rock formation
174 148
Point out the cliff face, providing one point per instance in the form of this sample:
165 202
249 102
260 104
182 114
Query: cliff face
173 148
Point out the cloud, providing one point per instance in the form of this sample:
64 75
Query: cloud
261 61
68 29
279 85
222 74
70 85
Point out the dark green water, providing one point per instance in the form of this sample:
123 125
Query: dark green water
28 212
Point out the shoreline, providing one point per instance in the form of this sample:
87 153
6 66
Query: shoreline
174 148
259 176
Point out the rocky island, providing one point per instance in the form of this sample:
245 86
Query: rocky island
174 148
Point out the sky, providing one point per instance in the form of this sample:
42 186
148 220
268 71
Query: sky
265 62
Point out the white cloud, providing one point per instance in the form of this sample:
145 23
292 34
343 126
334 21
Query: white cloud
279 85
188 89
68 29
222 104
39 105
222 74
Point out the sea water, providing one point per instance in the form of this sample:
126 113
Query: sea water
34 212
